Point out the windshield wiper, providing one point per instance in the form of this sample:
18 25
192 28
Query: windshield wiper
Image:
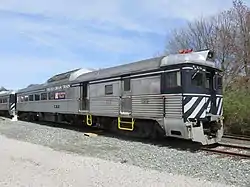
194 75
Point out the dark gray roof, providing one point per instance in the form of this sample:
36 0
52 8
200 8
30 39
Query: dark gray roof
143 65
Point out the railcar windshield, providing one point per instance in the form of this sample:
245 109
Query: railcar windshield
202 80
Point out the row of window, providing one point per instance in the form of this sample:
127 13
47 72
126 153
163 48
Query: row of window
172 80
3 100
126 87
42 96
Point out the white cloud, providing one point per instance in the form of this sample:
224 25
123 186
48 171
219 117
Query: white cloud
127 14
62 26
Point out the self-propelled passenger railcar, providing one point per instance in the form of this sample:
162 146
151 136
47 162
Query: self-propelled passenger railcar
178 95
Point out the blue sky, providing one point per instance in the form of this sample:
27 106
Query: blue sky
39 38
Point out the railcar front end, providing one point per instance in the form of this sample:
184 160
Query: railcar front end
202 104
201 90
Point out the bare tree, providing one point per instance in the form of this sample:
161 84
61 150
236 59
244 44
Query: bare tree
240 14
227 34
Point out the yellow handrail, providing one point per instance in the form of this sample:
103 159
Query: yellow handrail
126 122
89 119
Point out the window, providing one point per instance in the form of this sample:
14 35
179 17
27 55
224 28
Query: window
12 98
51 95
219 82
198 79
26 98
4 100
126 84
43 96
37 97
209 80
1 100
31 97
108 89
173 79
60 95
21 99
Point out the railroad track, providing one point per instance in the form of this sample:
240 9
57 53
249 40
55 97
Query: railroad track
229 150
237 137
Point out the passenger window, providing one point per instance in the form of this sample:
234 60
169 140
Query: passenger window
109 89
173 79
197 79
209 80
0 100
219 82
126 84
37 97
31 97
26 98
43 96
51 95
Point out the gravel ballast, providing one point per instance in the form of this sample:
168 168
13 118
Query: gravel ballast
26 164
199 165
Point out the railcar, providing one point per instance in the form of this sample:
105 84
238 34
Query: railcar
178 95
7 103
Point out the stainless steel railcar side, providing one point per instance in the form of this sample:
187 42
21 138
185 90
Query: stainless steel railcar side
46 101
177 95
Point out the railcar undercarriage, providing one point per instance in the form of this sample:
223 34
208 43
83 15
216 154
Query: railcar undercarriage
137 128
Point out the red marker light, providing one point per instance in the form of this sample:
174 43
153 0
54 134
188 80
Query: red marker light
184 51
181 51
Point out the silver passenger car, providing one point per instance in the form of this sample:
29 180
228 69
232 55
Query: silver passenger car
178 95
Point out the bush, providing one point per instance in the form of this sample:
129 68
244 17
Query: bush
237 107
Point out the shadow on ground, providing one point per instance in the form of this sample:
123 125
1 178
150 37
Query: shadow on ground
170 142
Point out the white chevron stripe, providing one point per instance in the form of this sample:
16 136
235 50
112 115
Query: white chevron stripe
12 105
209 106
198 108
219 107
203 115
190 104
217 101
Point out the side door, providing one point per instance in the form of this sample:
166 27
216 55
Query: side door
126 96
84 101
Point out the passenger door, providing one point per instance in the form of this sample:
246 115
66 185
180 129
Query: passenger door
126 97
84 101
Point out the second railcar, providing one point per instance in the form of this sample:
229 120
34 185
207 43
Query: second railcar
7 103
